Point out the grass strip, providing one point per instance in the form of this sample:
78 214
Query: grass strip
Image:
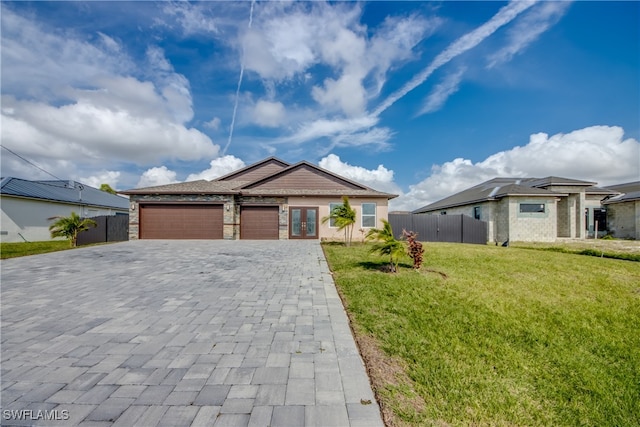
18 249
510 336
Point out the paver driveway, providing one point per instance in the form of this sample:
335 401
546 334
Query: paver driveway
179 333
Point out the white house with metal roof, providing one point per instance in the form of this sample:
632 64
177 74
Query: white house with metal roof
28 205
531 209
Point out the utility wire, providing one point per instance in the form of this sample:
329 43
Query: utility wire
31 163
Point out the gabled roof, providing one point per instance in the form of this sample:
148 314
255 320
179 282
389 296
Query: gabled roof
272 177
256 171
495 189
307 179
61 191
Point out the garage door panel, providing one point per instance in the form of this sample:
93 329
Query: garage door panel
259 222
181 222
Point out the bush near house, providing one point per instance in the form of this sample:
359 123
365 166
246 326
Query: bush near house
504 336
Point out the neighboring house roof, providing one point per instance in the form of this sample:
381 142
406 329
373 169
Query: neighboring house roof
498 188
61 191
626 197
556 180
627 187
272 177
630 192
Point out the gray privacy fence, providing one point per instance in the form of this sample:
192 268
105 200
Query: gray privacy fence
441 228
111 228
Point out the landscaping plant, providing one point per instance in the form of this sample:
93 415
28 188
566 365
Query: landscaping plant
415 249
70 226
344 217
387 244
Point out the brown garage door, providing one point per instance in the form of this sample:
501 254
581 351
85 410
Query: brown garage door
181 222
259 222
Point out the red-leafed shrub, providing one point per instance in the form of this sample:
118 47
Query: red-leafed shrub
415 249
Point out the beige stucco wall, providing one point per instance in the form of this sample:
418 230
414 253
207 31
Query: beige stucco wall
624 219
329 233
29 218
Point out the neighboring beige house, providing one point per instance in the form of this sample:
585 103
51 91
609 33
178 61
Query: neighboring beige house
270 199
28 205
623 211
531 209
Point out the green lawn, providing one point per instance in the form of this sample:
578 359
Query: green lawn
510 336
12 250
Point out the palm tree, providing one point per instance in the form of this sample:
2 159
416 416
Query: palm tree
344 217
387 244
70 226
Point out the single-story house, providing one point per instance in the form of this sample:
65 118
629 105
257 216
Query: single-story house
623 210
28 205
270 199
531 209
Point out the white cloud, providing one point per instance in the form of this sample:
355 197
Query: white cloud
468 41
213 123
94 133
528 29
380 179
596 153
66 97
218 167
193 18
157 176
442 92
269 114
103 177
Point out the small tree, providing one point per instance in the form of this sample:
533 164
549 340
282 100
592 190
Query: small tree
70 226
415 250
107 188
387 244
344 217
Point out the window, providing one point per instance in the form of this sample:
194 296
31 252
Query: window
332 206
476 212
368 214
531 207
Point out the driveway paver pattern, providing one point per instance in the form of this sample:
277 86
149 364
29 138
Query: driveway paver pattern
179 333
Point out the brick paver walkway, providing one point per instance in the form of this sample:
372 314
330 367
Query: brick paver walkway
179 333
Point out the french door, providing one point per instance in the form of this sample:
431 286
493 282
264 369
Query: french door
303 223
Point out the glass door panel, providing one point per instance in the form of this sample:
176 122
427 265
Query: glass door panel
311 223
296 222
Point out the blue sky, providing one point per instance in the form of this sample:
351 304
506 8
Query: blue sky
421 99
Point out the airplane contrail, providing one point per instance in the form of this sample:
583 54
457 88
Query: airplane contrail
235 105
470 40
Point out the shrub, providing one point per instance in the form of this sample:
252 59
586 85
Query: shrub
415 249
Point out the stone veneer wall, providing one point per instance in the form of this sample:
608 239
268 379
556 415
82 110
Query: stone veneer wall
231 226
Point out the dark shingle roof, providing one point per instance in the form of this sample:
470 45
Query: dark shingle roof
191 187
626 197
251 188
493 189
61 191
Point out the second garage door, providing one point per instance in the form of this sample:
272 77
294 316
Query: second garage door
259 222
181 221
